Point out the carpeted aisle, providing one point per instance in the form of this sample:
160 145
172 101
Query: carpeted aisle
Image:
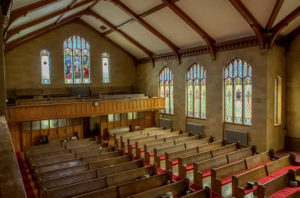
25 176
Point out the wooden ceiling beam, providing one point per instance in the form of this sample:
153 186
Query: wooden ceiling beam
148 27
246 14
69 6
282 24
41 31
17 13
16 30
111 26
190 22
274 14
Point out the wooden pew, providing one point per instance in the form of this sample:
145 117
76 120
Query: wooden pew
204 193
203 169
98 186
222 175
279 184
171 158
263 173
159 153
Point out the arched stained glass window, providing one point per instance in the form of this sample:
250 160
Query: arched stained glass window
105 68
166 88
77 60
45 67
238 92
196 91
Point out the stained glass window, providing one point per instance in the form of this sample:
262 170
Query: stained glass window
77 60
105 68
166 90
196 91
238 92
45 67
277 101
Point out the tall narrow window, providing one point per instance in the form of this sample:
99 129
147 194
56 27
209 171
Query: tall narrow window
196 91
238 92
105 68
77 60
45 67
277 101
166 88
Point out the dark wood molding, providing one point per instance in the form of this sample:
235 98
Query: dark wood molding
6 7
148 27
209 40
41 31
274 14
222 46
282 24
111 26
246 14
16 30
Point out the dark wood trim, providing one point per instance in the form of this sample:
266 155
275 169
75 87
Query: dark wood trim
274 14
41 31
16 30
6 7
282 24
190 22
148 27
246 14
111 26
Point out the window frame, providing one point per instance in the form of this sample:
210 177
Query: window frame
171 80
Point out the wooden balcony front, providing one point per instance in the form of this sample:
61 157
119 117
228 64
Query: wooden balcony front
84 108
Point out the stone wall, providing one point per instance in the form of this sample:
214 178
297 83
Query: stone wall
147 82
23 65
293 89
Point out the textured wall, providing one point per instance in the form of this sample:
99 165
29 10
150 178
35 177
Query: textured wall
293 89
23 67
147 81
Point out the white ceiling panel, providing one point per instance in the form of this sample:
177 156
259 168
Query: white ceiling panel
21 3
261 10
140 7
40 13
111 12
128 46
76 10
292 25
94 22
146 38
32 29
287 7
174 28
217 17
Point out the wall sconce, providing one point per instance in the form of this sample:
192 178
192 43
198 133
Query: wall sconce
96 104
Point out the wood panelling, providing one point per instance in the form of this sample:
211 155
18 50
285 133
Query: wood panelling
22 113
292 143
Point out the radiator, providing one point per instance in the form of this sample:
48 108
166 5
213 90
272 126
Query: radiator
236 136
165 123
195 129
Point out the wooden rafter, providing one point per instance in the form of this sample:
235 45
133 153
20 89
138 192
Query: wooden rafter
148 27
209 40
69 6
282 24
274 14
16 30
41 31
256 27
111 26
6 7
17 13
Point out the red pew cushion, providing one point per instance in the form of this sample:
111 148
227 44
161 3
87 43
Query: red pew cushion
189 167
162 158
285 192
175 162
142 150
152 154
206 174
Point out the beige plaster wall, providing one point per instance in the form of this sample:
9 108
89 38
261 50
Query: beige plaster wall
23 67
276 66
147 81
293 89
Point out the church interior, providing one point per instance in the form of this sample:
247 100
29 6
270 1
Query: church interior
150 98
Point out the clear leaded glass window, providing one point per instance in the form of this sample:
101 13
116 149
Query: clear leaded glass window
196 91
105 68
166 87
45 67
277 101
238 92
77 60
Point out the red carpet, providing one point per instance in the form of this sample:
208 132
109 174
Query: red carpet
25 176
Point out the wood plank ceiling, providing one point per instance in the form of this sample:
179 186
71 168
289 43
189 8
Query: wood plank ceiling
150 28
